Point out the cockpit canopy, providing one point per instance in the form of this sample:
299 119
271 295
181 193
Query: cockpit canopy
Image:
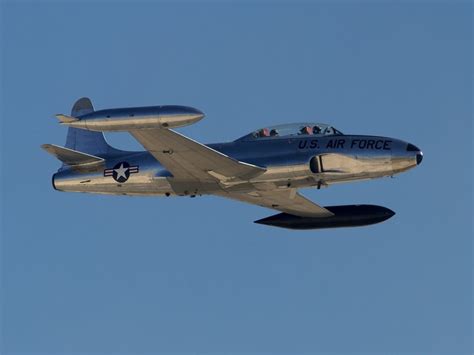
292 129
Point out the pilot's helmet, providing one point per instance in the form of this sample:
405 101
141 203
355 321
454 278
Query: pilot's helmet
265 132
273 132
306 130
316 130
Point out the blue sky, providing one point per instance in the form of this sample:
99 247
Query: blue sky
94 274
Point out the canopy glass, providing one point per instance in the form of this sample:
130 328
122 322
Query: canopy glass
292 129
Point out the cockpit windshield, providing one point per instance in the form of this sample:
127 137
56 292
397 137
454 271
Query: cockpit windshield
292 129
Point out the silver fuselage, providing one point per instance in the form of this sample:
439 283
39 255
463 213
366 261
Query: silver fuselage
290 162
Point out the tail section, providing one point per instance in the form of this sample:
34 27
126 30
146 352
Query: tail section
88 142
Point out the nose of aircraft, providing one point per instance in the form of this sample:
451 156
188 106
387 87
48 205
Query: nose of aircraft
419 157
417 151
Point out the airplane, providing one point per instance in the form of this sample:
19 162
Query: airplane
265 167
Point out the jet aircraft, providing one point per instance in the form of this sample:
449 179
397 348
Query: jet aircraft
265 167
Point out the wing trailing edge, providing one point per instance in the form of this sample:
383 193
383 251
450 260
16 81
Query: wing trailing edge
288 201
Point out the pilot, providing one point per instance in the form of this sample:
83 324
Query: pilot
316 130
265 132
306 130
273 132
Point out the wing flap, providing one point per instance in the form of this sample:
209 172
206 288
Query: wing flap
187 159
288 200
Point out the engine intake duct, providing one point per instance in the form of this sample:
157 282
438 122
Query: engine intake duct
344 216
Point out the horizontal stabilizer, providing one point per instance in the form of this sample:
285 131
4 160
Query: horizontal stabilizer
72 157
65 118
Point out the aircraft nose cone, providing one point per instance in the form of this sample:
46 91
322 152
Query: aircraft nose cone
417 151
419 157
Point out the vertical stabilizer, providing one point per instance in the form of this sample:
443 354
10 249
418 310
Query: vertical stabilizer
85 141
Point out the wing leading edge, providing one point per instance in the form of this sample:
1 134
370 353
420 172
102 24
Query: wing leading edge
187 159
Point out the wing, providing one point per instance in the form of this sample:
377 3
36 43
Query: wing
288 200
187 159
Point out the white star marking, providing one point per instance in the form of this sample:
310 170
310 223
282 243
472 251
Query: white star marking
121 172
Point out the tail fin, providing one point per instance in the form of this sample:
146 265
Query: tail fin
89 142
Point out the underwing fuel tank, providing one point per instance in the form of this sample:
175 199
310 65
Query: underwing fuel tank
344 216
125 119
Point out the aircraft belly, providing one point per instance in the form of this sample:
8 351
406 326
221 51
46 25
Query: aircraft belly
193 187
135 185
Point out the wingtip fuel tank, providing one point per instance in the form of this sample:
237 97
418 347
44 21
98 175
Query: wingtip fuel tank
344 216
124 119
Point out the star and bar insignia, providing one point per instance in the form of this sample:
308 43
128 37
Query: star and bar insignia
121 171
